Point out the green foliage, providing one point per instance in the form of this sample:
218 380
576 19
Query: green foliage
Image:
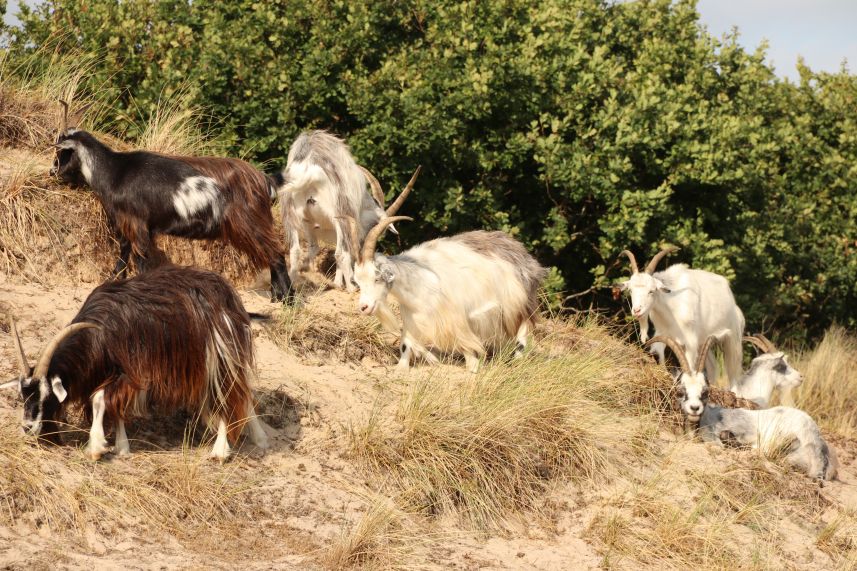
582 127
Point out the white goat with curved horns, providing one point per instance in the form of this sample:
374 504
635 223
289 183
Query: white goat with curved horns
689 306
321 188
463 294
693 385
769 370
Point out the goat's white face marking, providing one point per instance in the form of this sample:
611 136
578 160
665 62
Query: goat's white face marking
693 393
195 194
374 282
643 288
83 156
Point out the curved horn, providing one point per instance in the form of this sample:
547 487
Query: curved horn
703 353
771 347
653 263
44 361
677 350
22 357
372 236
631 259
377 192
760 345
393 208
64 126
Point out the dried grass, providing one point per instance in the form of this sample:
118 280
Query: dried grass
309 327
184 495
829 389
489 447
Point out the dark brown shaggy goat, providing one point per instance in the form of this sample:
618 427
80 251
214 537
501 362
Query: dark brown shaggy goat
171 338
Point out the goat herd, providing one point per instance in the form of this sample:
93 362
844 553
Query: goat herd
179 338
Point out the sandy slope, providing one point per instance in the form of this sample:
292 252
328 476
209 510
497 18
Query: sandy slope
306 494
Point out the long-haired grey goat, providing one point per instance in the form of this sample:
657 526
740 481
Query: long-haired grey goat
463 294
321 189
145 194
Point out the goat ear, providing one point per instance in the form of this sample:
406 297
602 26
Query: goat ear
623 286
59 390
661 286
10 384
387 275
66 144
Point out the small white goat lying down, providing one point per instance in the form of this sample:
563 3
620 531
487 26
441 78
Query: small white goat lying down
463 294
781 430
768 371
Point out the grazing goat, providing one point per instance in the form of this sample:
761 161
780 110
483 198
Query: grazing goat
769 371
321 189
458 295
145 194
778 432
693 386
689 306
175 338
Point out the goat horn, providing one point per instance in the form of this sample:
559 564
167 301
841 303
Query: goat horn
760 345
372 236
703 353
676 348
44 361
393 208
632 260
377 192
22 357
653 263
771 347
64 126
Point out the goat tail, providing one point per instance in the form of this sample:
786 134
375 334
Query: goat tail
230 368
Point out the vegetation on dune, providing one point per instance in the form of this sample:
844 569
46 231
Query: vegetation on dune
580 126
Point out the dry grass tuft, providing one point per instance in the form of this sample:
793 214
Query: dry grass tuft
29 89
177 127
829 389
380 540
490 447
309 327
184 494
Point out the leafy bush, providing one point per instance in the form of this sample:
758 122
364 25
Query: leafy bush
580 126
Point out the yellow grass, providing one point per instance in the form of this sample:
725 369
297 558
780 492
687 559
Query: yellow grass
829 389
491 446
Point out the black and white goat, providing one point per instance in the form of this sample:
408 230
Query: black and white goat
461 294
322 188
145 194
693 387
768 371
173 338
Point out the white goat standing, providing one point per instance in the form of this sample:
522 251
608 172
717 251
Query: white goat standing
777 432
689 306
768 371
461 294
322 188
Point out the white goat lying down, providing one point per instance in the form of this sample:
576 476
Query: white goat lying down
693 385
320 189
689 306
768 371
774 431
463 294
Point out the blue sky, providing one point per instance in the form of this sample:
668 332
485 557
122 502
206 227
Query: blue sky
824 32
